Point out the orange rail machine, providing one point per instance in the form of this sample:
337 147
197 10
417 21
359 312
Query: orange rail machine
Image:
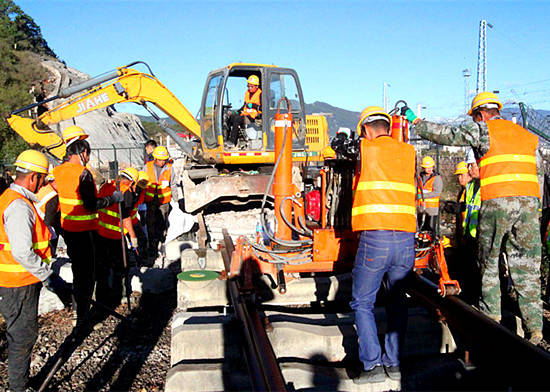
301 246
296 246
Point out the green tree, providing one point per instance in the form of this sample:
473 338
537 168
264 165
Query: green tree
20 30
20 41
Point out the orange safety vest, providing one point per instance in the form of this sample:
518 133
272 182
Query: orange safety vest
108 217
74 216
44 195
509 168
384 196
140 200
428 187
255 100
13 274
159 187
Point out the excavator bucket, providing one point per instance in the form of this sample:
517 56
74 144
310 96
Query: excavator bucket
26 128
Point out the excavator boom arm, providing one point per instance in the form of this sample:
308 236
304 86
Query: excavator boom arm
129 86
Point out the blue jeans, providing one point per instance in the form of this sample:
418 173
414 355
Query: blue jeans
381 252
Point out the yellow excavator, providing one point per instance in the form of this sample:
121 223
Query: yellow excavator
208 151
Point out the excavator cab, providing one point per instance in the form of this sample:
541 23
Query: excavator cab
223 98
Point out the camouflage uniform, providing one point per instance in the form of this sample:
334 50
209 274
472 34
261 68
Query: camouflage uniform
508 224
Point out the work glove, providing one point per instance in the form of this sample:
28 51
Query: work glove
134 242
407 112
59 287
117 197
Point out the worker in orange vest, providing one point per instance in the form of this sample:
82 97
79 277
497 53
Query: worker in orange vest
248 113
79 203
48 208
428 200
384 213
24 264
110 267
511 175
160 196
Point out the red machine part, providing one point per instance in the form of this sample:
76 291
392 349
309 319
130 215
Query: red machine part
313 203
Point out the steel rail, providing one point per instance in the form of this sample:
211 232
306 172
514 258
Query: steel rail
265 373
512 360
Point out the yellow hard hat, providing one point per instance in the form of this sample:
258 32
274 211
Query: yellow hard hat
131 173
372 113
161 153
427 162
484 98
253 79
73 133
33 160
143 179
461 168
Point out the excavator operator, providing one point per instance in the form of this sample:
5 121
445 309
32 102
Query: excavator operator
248 113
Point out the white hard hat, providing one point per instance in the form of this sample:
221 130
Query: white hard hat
470 157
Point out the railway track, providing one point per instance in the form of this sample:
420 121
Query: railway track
262 347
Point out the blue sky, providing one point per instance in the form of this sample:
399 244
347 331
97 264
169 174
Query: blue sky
343 51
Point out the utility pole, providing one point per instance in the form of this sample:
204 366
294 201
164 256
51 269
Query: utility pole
482 57
386 97
466 73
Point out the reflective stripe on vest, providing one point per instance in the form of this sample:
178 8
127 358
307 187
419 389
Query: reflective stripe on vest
509 168
71 202
79 217
384 208
473 204
13 274
75 217
384 198
396 186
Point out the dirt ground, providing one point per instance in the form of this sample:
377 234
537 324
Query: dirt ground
118 357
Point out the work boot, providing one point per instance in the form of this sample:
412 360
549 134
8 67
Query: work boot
374 375
536 337
393 372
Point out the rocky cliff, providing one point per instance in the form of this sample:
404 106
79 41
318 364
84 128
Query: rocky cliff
113 135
